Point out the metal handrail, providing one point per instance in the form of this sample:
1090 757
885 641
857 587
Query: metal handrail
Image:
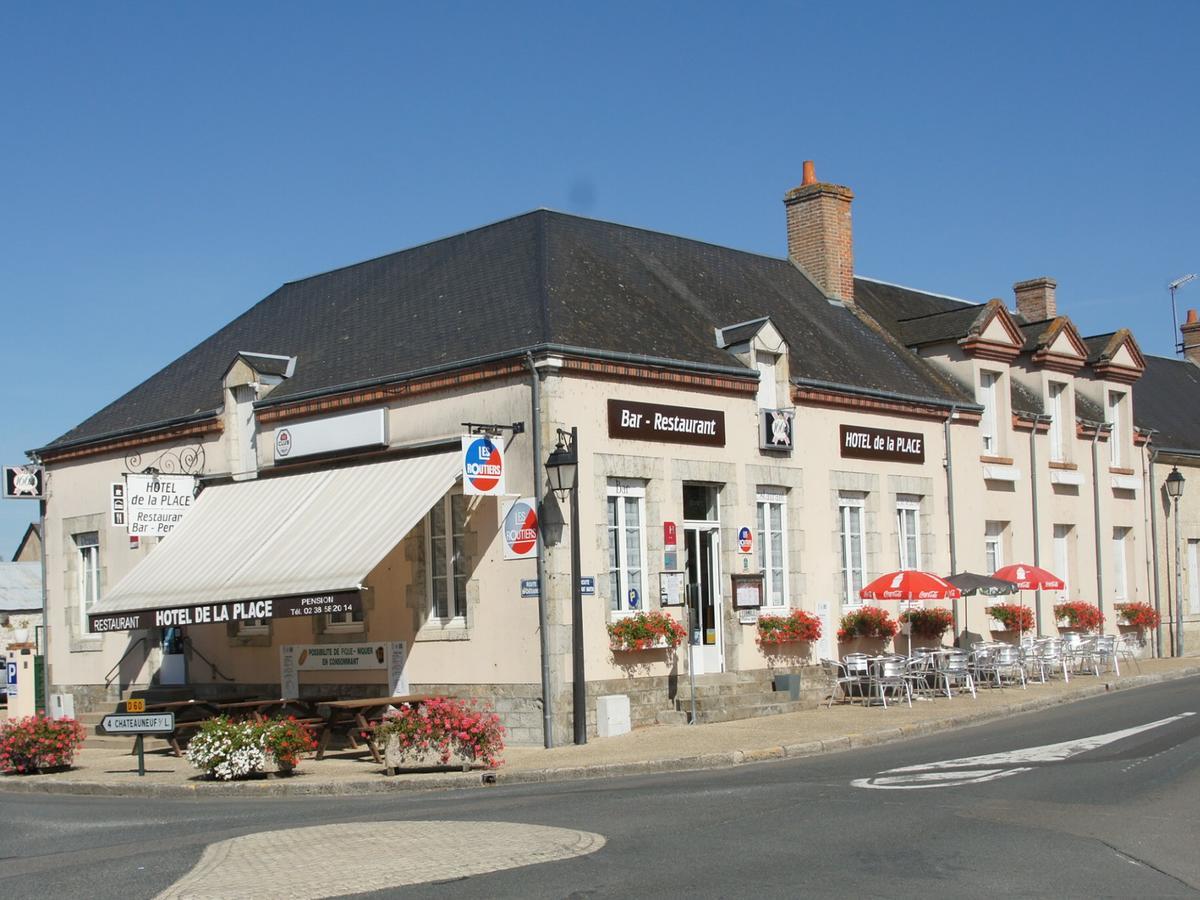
211 664
112 673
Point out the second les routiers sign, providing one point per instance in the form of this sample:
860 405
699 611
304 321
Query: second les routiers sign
859 442
668 424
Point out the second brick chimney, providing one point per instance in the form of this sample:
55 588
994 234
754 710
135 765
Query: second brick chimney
819 236
1189 331
1035 299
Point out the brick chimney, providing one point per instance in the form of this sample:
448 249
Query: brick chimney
1190 332
819 236
1035 299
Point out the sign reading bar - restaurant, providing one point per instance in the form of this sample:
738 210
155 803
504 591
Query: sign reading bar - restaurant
859 442
234 611
666 424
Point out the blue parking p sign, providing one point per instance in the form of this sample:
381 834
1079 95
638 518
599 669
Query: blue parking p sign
12 676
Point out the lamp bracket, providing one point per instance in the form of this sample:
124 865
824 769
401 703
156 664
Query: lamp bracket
493 429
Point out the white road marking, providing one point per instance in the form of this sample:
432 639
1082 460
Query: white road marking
977 769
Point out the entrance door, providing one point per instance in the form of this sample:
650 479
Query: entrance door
701 551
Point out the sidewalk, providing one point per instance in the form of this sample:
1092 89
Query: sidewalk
661 748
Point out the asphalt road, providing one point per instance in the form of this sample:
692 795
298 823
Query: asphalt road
1119 819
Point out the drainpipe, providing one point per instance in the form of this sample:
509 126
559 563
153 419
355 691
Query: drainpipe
1151 500
1100 429
539 494
1038 418
950 510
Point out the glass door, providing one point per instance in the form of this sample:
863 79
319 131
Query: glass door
701 546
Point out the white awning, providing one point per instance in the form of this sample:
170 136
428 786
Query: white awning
307 540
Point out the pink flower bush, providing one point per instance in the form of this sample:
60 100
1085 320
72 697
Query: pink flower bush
446 728
36 743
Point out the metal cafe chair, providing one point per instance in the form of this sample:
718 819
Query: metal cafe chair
1048 657
890 674
955 670
1127 646
1104 651
838 680
1008 663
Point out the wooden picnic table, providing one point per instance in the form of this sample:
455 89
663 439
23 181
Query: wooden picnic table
351 716
261 709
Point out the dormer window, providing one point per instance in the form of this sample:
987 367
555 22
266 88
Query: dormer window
768 392
1116 436
1058 421
989 424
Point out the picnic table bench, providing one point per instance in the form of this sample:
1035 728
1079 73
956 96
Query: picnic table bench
356 719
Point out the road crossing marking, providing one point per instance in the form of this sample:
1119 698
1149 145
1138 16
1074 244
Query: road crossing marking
992 766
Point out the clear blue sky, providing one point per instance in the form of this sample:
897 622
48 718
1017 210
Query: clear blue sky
165 166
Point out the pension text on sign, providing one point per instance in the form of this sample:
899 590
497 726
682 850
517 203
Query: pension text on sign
236 611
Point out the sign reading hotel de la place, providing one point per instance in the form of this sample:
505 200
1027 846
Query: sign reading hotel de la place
666 424
859 442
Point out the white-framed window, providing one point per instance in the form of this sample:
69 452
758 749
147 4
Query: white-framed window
1116 436
249 627
626 544
772 545
993 545
87 549
1058 421
908 530
768 395
1120 563
988 399
445 535
1193 564
1062 557
851 512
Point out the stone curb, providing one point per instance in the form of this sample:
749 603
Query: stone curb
721 760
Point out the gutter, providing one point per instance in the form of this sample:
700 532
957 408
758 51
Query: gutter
1100 429
1150 504
139 430
950 511
518 353
951 405
1037 419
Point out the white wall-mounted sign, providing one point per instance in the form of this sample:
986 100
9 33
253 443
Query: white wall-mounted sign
155 504
329 658
520 529
349 431
483 465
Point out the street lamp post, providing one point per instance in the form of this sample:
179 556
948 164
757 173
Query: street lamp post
563 468
1175 491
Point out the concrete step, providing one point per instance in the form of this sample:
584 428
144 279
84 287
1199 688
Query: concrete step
734 712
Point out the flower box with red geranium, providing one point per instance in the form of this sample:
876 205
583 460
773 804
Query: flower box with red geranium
652 630
1077 614
792 628
37 744
1011 617
928 623
1138 615
867 622
440 730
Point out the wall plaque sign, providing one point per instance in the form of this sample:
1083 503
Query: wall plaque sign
859 442
666 424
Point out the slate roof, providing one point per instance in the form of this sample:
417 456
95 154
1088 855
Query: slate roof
938 327
542 279
1166 398
20 586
